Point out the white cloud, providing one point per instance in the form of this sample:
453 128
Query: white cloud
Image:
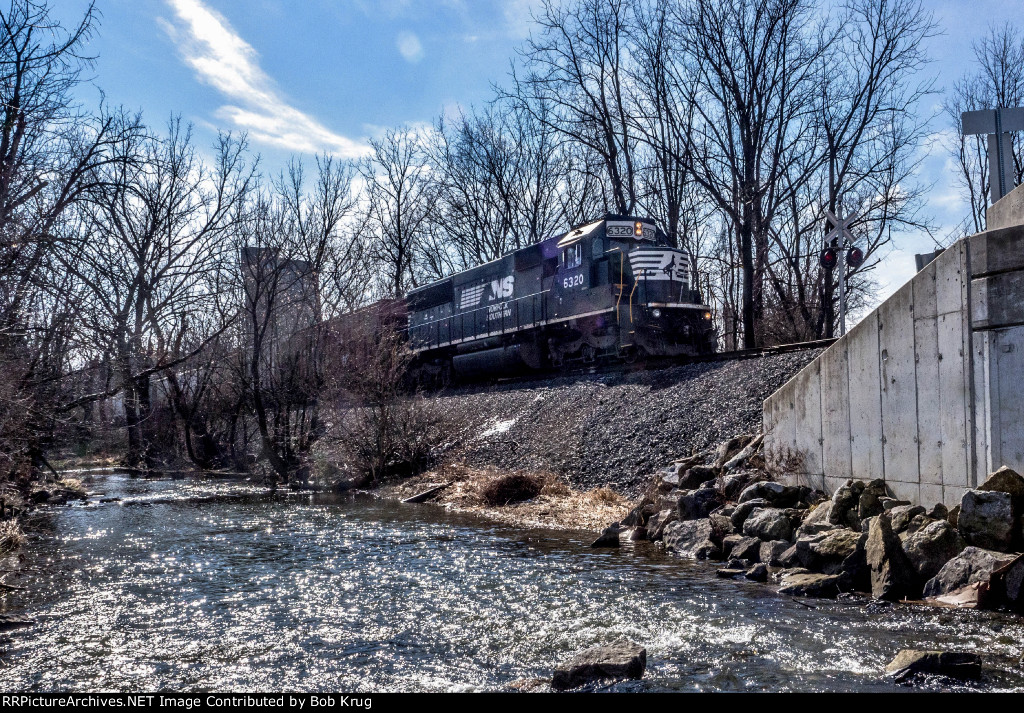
226 62
409 46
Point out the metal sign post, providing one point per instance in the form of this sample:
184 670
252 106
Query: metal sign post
997 123
840 233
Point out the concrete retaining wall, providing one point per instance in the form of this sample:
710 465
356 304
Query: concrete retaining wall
924 392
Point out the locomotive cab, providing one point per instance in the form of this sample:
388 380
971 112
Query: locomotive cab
620 287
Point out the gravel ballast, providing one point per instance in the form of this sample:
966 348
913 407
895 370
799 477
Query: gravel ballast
615 430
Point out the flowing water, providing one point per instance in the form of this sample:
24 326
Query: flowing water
199 585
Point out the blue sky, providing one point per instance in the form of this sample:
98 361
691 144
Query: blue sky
324 75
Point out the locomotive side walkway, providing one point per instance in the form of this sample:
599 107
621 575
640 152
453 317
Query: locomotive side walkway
924 393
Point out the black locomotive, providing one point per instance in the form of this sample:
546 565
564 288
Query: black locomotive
611 289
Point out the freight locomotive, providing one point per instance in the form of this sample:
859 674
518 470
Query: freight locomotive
613 289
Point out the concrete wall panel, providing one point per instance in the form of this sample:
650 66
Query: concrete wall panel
997 300
807 403
835 411
899 399
983 414
929 400
865 400
953 405
1009 368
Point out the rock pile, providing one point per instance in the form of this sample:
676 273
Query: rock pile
722 505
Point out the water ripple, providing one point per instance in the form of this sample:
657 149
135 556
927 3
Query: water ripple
216 586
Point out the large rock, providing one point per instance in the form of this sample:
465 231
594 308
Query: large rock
768 524
943 663
817 521
609 536
931 547
972 565
846 503
1008 581
869 505
854 570
876 487
892 576
810 585
740 458
730 541
699 503
697 476
776 494
615 662
1005 480
758 573
827 551
954 516
917 523
722 523
901 515
732 447
770 552
732 485
748 548
692 538
988 519
742 511
656 525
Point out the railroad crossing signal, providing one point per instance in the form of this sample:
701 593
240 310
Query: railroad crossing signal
998 123
832 256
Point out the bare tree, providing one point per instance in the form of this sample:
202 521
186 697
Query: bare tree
751 65
157 232
997 81
868 74
576 82
400 197
52 152
498 175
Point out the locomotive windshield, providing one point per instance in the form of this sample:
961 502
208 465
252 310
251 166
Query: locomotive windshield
572 256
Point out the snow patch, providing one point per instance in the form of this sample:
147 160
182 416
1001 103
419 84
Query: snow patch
498 428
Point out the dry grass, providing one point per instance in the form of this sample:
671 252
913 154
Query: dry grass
72 484
554 504
11 537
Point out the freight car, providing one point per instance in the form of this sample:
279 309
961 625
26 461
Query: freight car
613 289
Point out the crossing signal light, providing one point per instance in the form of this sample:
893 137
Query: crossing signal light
854 258
829 258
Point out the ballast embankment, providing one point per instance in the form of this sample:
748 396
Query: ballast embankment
614 430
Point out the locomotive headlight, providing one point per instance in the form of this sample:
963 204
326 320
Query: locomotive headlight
707 315
655 312
638 229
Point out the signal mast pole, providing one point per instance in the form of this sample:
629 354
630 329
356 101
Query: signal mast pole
841 235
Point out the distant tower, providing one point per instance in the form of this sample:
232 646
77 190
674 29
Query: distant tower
282 295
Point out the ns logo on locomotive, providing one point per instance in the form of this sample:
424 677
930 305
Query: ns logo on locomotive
613 289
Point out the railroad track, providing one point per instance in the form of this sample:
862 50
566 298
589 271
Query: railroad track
762 351
650 364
